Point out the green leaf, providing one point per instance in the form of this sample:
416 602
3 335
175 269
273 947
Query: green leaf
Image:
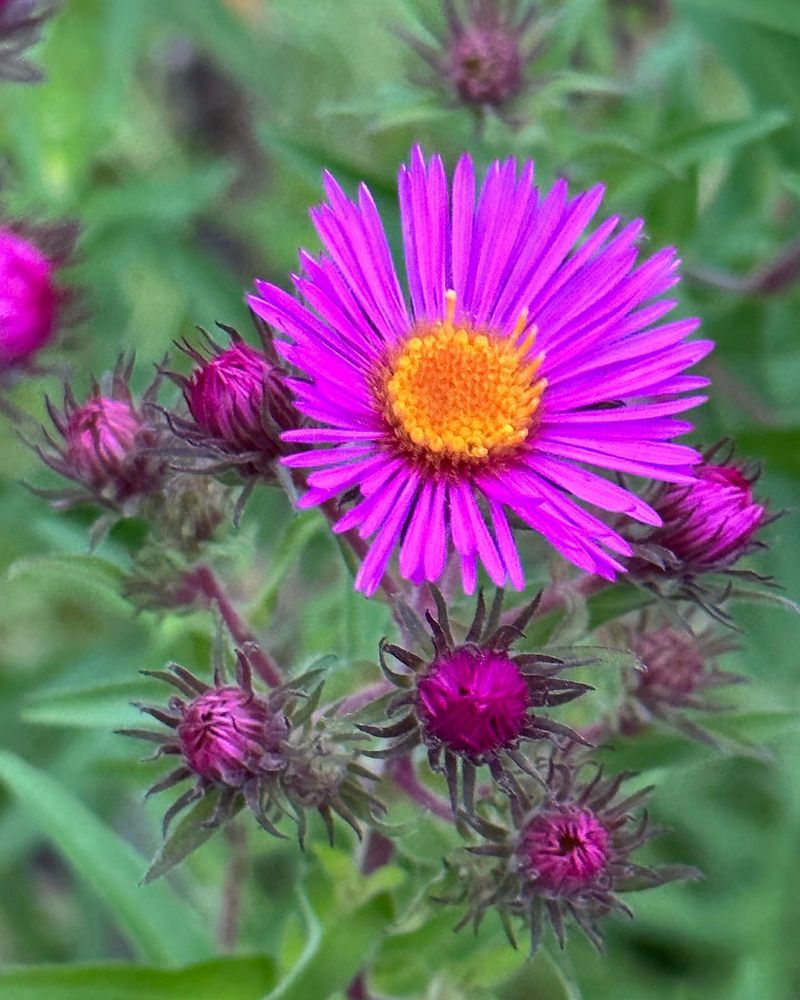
777 15
302 529
340 940
99 706
221 979
186 837
161 927
97 576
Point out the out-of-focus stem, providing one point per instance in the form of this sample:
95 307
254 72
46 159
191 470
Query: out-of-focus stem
360 699
401 770
228 930
210 587
557 595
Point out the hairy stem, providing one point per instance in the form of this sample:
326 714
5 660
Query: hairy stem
401 770
228 928
212 590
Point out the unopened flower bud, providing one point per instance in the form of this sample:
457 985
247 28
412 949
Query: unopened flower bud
239 407
230 736
564 850
710 524
100 437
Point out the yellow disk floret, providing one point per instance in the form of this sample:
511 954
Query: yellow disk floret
458 393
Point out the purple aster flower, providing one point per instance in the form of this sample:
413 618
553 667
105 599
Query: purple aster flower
566 856
521 359
475 702
264 750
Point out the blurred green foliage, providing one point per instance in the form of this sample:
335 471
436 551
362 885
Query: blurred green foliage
689 112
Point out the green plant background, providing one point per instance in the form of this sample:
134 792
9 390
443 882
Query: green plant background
691 117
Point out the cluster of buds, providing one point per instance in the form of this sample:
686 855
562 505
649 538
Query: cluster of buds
32 302
481 57
266 750
565 856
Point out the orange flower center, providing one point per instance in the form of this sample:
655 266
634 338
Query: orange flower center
463 394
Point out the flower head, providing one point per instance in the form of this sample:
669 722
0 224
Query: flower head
474 702
20 27
711 523
229 735
482 57
238 404
520 359
266 749
30 298
565 856
679 666
100 435
107 444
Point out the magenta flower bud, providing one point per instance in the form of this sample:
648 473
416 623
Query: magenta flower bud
711 524
564 851
239 405
29 298
473 701
226 733
100 436
225 396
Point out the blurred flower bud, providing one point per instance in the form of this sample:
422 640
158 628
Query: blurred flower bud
107 445
20 27
564 850
30 299
482 56
678 667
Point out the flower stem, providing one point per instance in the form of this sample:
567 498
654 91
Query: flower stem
212 590
401 770
228 930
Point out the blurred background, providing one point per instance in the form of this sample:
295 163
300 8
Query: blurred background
188 139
